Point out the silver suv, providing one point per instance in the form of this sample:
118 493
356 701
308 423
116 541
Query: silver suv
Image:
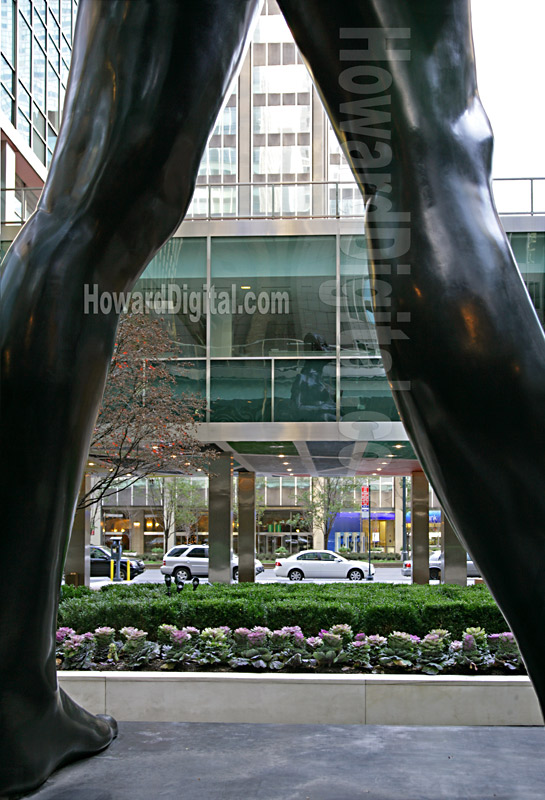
436 565
189 561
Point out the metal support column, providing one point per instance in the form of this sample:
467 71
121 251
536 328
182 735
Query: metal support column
220 516
420 508
246 526
398 516
77 566
454 554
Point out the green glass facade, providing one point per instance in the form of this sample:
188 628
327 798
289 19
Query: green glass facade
281 328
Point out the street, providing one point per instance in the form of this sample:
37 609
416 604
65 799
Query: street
382 575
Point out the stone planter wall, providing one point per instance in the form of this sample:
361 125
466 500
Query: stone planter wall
318 699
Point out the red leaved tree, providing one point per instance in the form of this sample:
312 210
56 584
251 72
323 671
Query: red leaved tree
145 426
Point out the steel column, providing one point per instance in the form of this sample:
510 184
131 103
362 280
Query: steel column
420 508
220 516
454 554
246 526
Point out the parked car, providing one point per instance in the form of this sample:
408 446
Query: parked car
321 564
436 567
100 563
189 561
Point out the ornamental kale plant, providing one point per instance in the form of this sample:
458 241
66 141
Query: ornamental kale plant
213 646
434 652
287 648
401 650
104 638
60 636
330 652
136 650
359 652
504 649
181 647
472 651
251 648
78 650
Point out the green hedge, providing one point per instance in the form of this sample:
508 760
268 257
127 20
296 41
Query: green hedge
371 608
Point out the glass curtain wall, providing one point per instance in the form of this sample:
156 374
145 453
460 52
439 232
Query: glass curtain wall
36 41
282 328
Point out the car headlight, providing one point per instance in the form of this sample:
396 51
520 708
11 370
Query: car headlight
134 564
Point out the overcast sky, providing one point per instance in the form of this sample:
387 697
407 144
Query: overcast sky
510 50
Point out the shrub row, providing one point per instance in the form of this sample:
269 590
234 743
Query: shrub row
374 608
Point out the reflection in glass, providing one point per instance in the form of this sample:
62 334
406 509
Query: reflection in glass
25 53
190 378
304 390
358 333
529 251
7 28
175 280
240 391
271 292
365 393
39 76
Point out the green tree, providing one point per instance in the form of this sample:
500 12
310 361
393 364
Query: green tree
184 504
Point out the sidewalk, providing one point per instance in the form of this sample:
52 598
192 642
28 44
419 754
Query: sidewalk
202 761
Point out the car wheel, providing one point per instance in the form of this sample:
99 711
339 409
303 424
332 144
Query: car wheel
183 572
123 574
435 574
296 575
235 573
355 575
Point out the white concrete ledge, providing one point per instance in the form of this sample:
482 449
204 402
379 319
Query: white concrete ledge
318 699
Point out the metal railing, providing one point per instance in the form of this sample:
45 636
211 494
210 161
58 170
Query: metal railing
304 200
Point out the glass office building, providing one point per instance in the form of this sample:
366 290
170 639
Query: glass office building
265 286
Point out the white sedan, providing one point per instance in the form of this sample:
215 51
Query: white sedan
321 564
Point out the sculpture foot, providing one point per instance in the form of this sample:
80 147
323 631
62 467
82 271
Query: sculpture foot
36 740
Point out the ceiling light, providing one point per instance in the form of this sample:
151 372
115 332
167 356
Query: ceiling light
398 446
281 455
379 469
91 463
245 287
285 463
289 469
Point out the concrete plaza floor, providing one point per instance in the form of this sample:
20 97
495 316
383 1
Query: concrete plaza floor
164 761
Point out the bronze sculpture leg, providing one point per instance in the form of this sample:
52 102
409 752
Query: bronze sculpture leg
398 80
147 82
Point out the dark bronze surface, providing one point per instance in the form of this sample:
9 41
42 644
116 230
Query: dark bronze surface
147 81
146 84
463 348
